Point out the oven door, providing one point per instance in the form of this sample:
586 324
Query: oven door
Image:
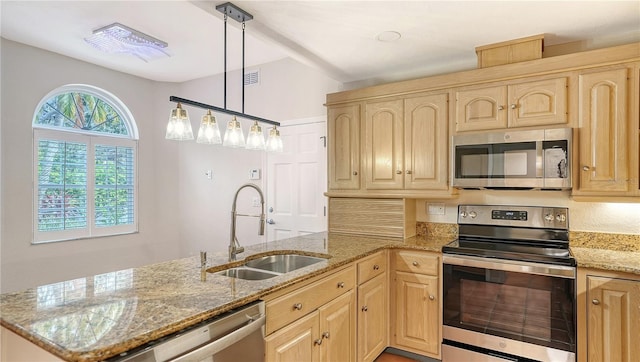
511 307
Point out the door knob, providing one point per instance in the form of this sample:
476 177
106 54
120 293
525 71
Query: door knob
270 221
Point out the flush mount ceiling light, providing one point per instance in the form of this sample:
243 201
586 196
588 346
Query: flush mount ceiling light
233 136
388 36
118 38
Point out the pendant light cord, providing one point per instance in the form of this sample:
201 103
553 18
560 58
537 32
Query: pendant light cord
242 67
225 62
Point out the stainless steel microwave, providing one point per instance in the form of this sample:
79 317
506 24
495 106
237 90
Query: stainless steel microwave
532 159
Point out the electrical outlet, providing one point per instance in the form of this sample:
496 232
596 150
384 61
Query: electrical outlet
436 208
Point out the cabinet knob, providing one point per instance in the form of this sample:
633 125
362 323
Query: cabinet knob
355 173
408 172
376 267
325 335
595 302
341 285
513 106
317 342
586 168
432 297
500 108
364 308
415 263
297 306
398 172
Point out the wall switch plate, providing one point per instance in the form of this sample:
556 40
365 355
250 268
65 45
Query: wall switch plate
254 174
435 208
256 202
209 174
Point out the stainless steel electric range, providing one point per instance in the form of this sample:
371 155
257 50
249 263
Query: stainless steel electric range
509 286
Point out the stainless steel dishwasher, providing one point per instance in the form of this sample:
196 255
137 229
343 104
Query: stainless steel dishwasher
234 336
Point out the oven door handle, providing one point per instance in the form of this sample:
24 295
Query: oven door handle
560 271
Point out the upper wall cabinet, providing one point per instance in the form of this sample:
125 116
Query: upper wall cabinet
608 134
522 104
343 158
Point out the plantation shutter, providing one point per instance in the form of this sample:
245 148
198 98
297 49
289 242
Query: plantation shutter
114 185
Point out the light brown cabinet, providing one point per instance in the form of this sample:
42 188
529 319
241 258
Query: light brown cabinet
608 316
417 309
608 135
406 143
523 104
316 322
343 148
372 306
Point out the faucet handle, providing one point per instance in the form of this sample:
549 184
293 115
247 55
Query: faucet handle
203 259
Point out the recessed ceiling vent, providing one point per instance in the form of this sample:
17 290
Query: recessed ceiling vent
252 77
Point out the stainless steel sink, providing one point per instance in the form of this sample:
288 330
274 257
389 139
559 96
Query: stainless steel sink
283 263
247 273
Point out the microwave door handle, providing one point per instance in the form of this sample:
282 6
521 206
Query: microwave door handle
539 160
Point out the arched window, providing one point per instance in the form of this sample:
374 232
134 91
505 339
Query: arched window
85 161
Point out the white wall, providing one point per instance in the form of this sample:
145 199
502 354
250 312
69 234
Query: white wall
622 218
288 90
28 74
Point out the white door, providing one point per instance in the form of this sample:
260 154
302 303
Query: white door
297 180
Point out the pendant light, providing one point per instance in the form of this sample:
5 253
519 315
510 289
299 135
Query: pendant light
179 126
209 132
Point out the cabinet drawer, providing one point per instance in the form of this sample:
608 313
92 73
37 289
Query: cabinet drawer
372 266
287 308
417 262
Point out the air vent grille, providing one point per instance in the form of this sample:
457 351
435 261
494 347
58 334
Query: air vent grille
252 77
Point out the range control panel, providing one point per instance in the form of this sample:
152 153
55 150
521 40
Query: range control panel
508 215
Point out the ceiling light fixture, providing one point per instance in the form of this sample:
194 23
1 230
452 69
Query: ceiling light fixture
118 38
233 137
388 36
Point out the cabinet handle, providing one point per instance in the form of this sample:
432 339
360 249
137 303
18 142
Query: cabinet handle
513 106
325 335
376 267
415 263
595 302
500 108
586 168
317 342
398 172
431 297
364 308
355 173
297 306
341 285
408 172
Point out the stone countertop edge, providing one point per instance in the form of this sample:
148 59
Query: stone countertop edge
607 260
150 300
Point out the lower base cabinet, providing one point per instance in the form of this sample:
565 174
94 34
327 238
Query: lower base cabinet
372 318
327 334
608 316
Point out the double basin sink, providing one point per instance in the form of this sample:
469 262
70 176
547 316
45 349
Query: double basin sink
270 266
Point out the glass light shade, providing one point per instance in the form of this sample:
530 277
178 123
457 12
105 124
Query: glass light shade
255 139
233 137
209 133
274 142
179 126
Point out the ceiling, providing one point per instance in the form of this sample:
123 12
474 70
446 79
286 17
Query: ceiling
337 37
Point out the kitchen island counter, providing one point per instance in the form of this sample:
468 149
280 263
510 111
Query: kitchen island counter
102 316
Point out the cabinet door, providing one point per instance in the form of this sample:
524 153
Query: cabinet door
538 103
613 319
343 147
338 329
481 109
417 312
295 342
383 149
604 158
426 143
372 318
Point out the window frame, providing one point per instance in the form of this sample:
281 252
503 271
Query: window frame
90 139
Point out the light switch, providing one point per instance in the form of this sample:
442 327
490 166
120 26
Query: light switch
254 174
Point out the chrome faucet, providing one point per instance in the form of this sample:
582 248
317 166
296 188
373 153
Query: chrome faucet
234 246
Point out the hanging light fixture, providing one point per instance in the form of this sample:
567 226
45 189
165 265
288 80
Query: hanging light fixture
209 133
233 137
179 126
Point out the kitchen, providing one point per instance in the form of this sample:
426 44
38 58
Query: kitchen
167 168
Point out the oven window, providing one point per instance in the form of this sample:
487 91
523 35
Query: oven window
530 308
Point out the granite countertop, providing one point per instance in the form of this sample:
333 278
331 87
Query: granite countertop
606 251
101 316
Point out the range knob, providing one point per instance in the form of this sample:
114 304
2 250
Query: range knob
561 218
473 214
548 217
463 214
